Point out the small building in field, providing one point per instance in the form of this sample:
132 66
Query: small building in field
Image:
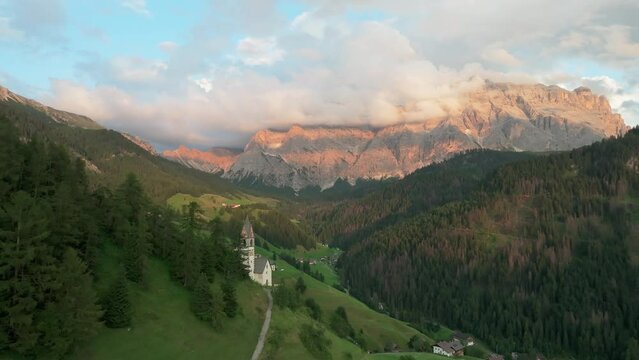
465 339
494 356
263 272
449 348
259 268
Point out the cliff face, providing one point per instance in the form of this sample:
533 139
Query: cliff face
215 160
498 116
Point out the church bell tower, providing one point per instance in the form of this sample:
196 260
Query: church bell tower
248 246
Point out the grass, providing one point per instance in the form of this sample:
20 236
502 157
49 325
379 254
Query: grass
211 204
163 325
379 329
417 356
285 328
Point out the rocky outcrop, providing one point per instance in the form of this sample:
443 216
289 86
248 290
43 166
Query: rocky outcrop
498 116
145 145
57 115
215 160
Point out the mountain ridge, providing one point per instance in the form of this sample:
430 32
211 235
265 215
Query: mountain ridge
500 116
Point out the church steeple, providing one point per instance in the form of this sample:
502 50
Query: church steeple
248 247
247 234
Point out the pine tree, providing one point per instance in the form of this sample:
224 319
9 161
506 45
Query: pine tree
130 199
632 351
189 264
24 259
208 259
217 310
202 300
74 314
135 252
300 285
230 299
116 304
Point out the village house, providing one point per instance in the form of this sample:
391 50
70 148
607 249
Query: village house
494 356
449 348
465 339
259 268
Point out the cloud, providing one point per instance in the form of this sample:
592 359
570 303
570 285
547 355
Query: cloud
228 104
168 46
349 62
500 56
138 6
618 43
38 19
259 51
8 33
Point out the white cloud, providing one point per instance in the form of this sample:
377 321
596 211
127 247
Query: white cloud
8 33
618 42
323 67
138 6
168 46
500 56
259 51
135 69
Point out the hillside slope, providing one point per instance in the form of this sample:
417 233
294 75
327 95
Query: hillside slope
545 256
108 155
455 179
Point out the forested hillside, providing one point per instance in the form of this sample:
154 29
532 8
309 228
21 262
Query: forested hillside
55 230
544 256
109 156
455 179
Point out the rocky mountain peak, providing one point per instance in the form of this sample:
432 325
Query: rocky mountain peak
215 160
145 145
503 116
4 93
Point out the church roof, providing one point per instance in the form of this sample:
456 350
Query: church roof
247 229
260 264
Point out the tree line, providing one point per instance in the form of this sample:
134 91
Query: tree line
539 258
53 226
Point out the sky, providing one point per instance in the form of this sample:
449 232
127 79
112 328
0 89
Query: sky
211 73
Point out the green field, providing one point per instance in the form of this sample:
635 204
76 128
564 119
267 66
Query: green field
379 329
164 327
285 327
417 356
212 204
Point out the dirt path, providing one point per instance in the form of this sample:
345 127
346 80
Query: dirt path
267 323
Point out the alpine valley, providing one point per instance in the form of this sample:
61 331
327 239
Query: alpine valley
361 272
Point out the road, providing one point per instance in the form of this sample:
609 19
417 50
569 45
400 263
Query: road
267 322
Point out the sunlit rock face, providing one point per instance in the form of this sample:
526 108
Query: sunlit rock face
215 160
497 116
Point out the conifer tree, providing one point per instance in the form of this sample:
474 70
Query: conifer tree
74 314
116 304
202 300
632 352
230 299
135 252
25 257
217 310
300 285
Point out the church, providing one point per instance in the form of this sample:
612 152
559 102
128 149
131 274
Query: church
260 268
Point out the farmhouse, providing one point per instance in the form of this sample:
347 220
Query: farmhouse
449 348
465 339
260 269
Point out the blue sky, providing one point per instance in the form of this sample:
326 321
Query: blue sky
207 73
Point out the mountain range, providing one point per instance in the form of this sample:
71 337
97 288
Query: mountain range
501 116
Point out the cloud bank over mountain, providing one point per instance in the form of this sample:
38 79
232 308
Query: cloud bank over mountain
232 68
